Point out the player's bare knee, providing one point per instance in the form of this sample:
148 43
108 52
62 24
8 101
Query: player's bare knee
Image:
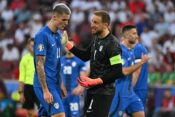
139 114
59 115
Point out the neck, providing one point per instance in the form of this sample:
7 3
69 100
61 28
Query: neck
52 27
104 33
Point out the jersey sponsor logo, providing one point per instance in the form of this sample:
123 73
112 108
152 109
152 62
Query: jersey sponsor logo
56 105
40 47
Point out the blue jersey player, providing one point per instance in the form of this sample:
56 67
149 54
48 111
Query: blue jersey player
47 46
125 95
71 68
140 77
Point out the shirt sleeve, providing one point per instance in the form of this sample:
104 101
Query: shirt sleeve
82 54
22 70
138 51
40 44
114 53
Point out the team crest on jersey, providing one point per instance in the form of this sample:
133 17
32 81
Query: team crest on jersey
101 47
120 113
56 105
40 47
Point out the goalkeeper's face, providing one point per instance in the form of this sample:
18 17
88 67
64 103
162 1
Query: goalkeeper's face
97 26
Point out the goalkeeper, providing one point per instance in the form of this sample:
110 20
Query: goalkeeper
104 54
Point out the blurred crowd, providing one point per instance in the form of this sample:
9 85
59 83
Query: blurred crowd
155 21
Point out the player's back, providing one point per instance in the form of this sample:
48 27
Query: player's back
47 43
141 83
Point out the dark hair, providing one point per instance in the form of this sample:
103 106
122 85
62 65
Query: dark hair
127 28
104 16
61 9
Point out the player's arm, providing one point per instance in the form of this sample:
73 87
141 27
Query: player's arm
79 89
21 76
82 54
114 55
40 60
135 76
21 80
131 69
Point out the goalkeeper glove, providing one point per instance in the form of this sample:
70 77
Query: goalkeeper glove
65 41
88 82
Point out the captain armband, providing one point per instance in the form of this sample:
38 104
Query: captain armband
115 60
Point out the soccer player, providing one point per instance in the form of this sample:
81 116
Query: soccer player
47 47
26 76
71 68
125 96
105 66
140 77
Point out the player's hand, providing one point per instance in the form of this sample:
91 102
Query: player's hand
144 58
63 91
48 97
21 98
64 38
78 90
88 82
65 41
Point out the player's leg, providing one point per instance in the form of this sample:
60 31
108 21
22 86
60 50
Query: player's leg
135 107
114 106
138 114
142 94
88 100
56 109
29 100
99 105
74 106
66 106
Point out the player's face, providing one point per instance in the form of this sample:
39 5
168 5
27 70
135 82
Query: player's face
97 25
30 46
61 21
132 36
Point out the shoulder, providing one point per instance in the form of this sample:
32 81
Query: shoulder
42 33
26 56
113 41
140 48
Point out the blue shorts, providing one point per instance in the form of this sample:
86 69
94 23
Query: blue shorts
120 105
72 106
142 94
45 108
